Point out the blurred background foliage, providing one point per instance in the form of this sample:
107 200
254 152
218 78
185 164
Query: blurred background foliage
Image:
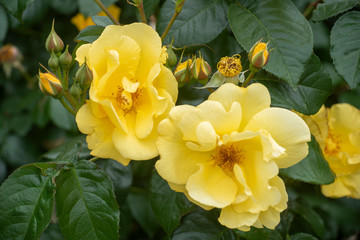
35 127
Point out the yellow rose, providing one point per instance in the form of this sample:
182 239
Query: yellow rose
226 153
131 92
337 130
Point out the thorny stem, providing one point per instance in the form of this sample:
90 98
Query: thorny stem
101 5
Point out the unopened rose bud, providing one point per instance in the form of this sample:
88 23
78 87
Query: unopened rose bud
84 76
9 54
258 55
182 72
172 59
49 84
76 90
53 62
65 58
53 42
200 69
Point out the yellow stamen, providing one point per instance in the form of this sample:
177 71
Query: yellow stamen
230 66
227 156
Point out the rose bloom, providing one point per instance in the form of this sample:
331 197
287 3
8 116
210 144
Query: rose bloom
131 92
227 151
337 130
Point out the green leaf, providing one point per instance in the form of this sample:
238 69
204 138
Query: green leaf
259 233
312 169
52 232
200 225
302 236
90 33
102 21
60 116
66 7
89 8
3 23
26 203
140 208
301 208
330 8
314 88
120 175
345 51
279 22
16 7
169 206
35 12
196 16
85 203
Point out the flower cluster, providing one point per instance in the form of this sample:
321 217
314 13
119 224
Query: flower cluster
337 130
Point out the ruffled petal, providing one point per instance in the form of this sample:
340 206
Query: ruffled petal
232 219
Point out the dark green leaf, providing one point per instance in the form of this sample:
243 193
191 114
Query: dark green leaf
3 170
169 206
259 234
90 33
35 12
16 7
120 175
26 203
18 151
85 203
3 23
302 236
301 208
140 207
40 114
196 15
102 21
330 8
21 124
314 88
66 7
60 116
279 22
351 97
200 225
52 232
345 51
312 169
89 8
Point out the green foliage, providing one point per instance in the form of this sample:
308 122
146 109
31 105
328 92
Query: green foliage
90 33
3 23
16 7
330 8
89 8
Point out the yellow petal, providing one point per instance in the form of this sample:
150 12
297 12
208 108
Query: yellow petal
344 118
206 136
211 186
232 219
336 189
287 129
82 53
166 80
270 218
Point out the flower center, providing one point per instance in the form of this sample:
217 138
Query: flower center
230 66
332 144
128 96
226 156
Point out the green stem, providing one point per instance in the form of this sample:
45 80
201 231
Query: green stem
66 79
248 79
310 8
67 106
101 5
172 20
93 159
140 7
70 99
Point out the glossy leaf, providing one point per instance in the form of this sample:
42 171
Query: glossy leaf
201 225
345 51
26 204
314 88
195 15
279 22
169 206
85 203
89 8
16 7
102 21
90 33
312 169
330 8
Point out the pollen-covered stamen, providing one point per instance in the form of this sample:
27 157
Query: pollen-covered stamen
332 144
226 156
230 66
128 95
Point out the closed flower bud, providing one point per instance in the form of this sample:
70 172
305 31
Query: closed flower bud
200 69
182 72
84 76
53 61
9 54
172 59
49 84
76 90
53 42
259 55
65 58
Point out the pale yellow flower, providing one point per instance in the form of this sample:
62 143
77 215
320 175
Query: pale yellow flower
337 130
81 22
131 92
226 153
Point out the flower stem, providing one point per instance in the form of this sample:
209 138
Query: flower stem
70 99
67 106
93 159
140 7
178 8
101 5
248 79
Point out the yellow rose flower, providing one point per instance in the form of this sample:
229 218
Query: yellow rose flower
131 92
337 130
226 153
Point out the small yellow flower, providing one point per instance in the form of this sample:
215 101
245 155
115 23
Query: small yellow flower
230 66
131 92
226 153
81 22
337 130
49 84
259 55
